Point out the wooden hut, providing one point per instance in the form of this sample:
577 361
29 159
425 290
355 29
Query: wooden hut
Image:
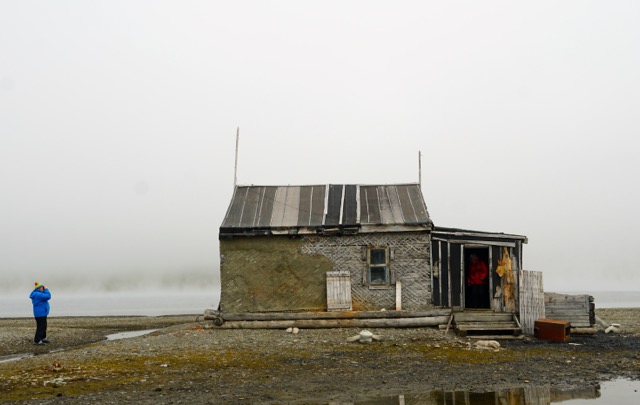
350 250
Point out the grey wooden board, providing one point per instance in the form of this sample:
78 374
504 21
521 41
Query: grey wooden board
532 300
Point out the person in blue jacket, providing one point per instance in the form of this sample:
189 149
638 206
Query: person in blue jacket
40 297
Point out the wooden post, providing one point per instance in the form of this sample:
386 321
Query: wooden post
398 295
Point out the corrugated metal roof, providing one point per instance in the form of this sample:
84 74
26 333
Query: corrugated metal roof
325 206
441 231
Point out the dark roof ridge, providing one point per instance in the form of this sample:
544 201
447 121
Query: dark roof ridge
330 184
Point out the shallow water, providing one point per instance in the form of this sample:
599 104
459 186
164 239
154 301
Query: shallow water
614 392
14 357
130 334
20 356
622 392
113 336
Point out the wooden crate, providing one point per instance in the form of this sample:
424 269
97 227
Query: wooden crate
552 329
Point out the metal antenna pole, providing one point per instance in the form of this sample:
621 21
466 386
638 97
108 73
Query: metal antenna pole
420 169
235 169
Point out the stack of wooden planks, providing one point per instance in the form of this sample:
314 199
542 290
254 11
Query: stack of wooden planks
579 310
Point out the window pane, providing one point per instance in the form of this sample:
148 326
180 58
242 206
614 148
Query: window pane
378 275
378 256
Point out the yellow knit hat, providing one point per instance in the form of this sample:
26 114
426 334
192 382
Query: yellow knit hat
38 285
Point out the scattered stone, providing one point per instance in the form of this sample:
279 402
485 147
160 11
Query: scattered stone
364 336
55 383
487 344
311 363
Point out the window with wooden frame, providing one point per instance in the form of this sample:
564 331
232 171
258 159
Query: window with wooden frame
378 274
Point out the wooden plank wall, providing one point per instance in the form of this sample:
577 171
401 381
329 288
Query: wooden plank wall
579 310
532 300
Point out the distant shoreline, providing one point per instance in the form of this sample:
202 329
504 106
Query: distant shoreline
146 303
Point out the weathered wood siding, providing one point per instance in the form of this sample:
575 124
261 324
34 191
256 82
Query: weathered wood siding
279 273
578 309
448 278
531 300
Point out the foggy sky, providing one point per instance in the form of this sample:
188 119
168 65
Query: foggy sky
118 122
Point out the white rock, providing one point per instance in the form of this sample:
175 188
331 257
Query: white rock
489 344
364 336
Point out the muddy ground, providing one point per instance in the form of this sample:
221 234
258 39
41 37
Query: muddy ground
186 361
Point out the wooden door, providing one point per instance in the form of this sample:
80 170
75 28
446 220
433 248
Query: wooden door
339 291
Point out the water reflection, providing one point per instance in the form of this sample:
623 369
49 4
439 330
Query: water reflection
618 392
515 396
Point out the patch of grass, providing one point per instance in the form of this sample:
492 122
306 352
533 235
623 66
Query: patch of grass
117 372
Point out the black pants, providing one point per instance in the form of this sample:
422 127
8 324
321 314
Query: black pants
477 297
41 328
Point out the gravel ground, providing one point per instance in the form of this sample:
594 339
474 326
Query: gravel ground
185 361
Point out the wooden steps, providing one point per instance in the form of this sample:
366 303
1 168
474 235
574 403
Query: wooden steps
486 324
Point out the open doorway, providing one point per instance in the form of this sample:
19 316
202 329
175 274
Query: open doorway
476 261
